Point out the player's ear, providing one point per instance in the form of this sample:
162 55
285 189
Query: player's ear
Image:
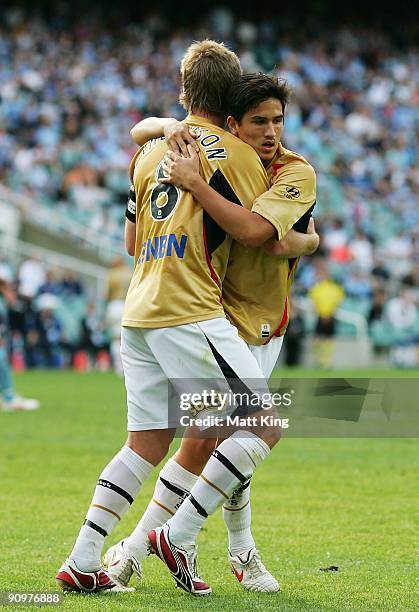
232 125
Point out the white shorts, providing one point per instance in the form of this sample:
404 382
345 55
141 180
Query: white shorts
205 350
267 355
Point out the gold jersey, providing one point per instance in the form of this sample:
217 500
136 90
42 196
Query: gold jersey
256 286
181 254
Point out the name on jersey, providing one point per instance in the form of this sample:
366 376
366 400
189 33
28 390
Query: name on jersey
159 247
209 142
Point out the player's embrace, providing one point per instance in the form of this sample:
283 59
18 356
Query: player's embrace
174 325
256 291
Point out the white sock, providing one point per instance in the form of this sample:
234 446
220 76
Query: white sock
172 487
237 516
230 465
116 489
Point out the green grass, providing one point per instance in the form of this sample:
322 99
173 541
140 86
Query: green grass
316 503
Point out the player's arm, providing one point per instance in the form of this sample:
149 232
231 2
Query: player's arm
177 134
130 222
288 205
294 244
249 228
130 233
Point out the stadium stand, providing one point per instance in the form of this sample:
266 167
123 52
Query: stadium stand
71 91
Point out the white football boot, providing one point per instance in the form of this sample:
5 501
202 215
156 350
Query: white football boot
251 573
120 565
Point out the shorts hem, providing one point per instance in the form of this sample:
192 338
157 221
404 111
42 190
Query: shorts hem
148 426
184 321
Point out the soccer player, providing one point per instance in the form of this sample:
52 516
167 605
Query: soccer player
257 106
174 324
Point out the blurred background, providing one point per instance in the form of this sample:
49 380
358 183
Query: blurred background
74 80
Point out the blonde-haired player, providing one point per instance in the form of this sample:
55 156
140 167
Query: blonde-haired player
174 326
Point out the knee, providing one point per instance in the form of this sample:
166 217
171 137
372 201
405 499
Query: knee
204 448
194 453
153 446
272 435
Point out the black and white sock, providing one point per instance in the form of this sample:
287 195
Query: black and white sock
230 465
237 516
172 487
116 489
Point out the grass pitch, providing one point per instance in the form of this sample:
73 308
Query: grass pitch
316 503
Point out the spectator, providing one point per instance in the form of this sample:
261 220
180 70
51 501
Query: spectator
71 285
31 276
52 284
402 312
9 400
44 337
326 296
362 251
294 338
357 283
94 338
119 278
376 311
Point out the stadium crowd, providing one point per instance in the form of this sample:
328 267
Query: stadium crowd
50 321
70 93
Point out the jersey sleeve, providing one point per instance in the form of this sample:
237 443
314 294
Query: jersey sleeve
291 196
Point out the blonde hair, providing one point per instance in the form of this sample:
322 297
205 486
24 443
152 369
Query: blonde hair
207 71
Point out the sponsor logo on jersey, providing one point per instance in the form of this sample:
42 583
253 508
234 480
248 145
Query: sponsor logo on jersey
265 330
291 192
159 247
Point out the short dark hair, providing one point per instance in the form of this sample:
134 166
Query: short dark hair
250 90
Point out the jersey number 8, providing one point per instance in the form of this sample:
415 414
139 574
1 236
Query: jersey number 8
163 199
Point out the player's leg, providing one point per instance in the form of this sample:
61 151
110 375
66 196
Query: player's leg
237 510
6 387
230 465
8 398
178 475
243 555
119 483
173 485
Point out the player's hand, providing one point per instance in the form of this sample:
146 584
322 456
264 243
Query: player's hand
314 242
181 171
310 228
178 136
